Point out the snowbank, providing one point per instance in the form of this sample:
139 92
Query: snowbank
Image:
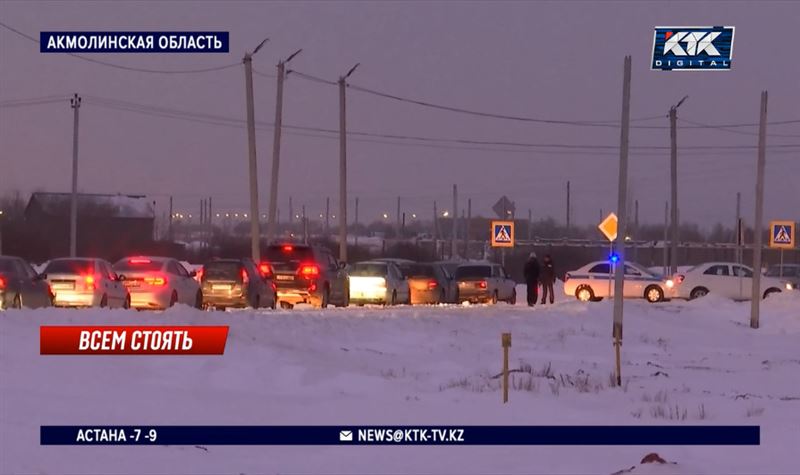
683 363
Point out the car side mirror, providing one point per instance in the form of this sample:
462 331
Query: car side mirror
120 278
192 273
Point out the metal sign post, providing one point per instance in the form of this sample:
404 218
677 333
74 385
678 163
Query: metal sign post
505 340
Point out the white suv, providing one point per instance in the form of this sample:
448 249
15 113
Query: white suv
728 279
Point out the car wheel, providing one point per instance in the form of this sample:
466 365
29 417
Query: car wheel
17 303
654 294
173 298
394 298
127 304
104 301
698 292
513 299
493 301
770 291
584 293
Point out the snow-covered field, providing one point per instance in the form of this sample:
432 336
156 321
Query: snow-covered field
683 363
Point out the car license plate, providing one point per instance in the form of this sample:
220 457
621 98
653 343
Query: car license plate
63 286
221 287
284 277
131 283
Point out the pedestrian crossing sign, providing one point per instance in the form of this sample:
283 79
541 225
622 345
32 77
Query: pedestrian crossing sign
781 234
502 233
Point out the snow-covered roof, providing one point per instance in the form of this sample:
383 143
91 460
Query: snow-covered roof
118 206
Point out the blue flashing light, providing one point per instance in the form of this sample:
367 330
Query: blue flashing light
613 258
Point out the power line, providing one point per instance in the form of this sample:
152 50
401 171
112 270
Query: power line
214 119
129 68
724 128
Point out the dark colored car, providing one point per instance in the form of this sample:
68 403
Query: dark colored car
21 286
485 282
237 283
308 274
431 284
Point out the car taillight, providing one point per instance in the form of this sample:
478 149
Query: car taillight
157 281
89 282
432 284
2 283
245 277
265 269
679 278
482 284
309 271
288 248
274 287
199 275
139 260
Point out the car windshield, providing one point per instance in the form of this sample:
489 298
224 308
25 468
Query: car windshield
69 266
420 271
222 270
369 269
466 272
136 264
289 253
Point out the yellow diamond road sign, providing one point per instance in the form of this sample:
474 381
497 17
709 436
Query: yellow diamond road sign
609 227
781 234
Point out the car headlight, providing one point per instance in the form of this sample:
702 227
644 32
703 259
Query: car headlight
789 286
670 284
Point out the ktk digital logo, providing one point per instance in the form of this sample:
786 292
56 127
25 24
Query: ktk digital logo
692 48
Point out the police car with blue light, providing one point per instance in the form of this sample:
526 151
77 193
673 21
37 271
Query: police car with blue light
595 281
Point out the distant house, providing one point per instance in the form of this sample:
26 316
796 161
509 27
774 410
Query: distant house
109 226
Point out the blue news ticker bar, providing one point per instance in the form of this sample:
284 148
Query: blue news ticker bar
134 42
400 435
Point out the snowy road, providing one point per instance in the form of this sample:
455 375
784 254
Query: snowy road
683 363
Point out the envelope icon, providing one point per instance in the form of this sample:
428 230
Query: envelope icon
345 436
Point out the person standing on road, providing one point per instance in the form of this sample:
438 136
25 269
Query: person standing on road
531 272
548 278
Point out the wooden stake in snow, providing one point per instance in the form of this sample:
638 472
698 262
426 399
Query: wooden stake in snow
506 342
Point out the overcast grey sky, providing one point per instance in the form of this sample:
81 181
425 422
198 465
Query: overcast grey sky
554 60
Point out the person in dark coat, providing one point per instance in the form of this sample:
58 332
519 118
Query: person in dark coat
548 278
531 272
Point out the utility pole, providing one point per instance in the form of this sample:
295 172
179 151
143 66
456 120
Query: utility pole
435 222
327 217
398 217
356 231
530 223
757 244
343 165
210 222
622 215
255 228
305 226
276 148
169 229
568 208
75 103
468 229
454 237
673 167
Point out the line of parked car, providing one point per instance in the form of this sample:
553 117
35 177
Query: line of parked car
594 281
293 274
290 274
